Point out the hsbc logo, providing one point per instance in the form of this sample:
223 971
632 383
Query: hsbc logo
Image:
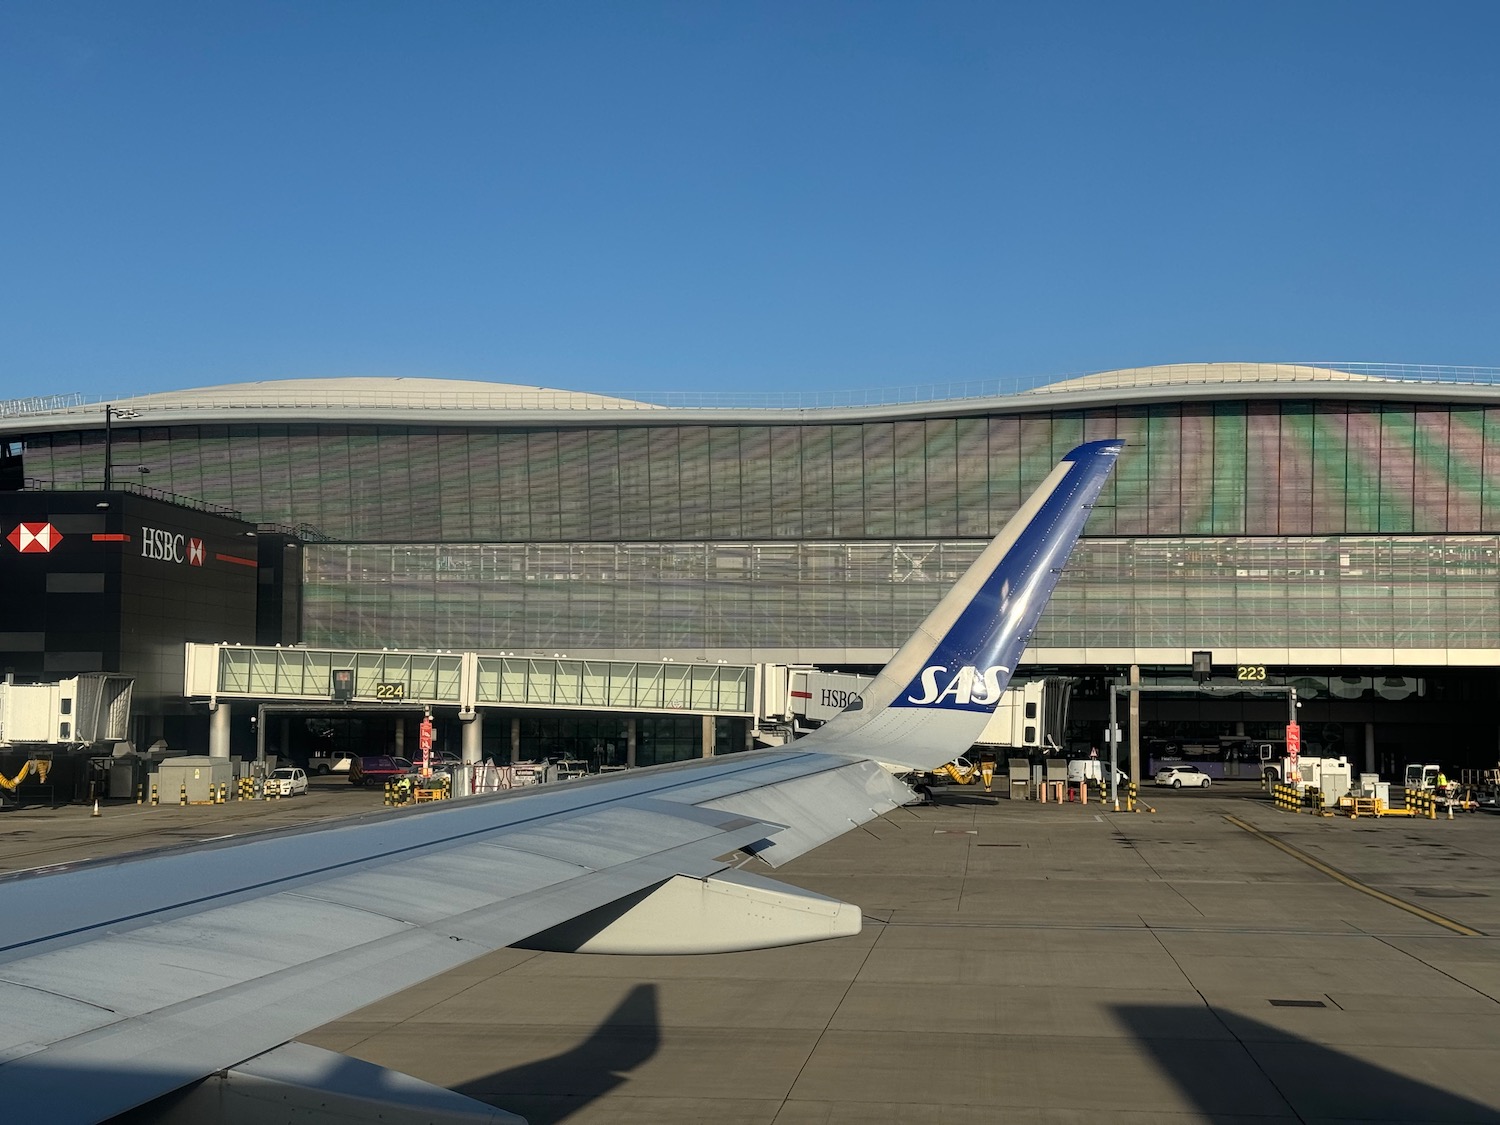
34 538
169 546
966 685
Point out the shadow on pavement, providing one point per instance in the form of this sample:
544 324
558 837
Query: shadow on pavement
1266 1071
552 1090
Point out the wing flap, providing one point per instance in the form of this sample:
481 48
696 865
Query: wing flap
816 808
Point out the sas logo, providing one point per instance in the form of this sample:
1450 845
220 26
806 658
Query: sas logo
965 687
34 538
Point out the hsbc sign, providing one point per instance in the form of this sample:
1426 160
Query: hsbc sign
34 538
170 546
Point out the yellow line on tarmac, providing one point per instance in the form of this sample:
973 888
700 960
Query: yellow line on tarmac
1355 884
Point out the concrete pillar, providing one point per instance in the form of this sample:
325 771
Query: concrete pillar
630 742
515 739
400 750
708 736
1135 725
284 738
1369 748
473 732
218 731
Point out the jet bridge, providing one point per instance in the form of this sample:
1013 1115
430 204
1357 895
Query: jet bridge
467 681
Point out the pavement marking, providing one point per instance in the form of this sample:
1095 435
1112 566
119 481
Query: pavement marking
1355 884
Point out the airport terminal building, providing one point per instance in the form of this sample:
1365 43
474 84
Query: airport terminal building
1335 529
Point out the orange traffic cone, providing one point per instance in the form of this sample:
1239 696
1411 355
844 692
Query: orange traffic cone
96 806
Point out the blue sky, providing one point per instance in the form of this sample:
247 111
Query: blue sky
739 196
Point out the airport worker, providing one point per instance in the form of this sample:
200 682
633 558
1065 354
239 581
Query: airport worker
1442 780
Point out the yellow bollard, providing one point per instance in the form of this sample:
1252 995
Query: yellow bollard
140 794
155 800
182 795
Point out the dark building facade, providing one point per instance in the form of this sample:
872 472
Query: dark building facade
118 582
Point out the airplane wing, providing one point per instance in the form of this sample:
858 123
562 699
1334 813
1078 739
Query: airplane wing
129 980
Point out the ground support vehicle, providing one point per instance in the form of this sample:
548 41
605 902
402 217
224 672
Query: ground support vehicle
335 761
375 769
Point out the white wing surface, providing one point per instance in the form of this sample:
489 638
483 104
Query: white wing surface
124 980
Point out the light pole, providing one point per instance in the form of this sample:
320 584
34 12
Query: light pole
111 413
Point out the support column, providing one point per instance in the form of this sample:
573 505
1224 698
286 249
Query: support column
515 739
630 742
708 736
1370 748
473 736
400 750
218 731
1135 725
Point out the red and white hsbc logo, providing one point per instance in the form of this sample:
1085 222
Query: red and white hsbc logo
170 546
34 538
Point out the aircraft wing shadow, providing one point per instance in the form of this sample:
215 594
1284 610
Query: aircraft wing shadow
551 1090
1284 1075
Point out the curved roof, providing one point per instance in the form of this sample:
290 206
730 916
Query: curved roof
1182 374
355 392
466 402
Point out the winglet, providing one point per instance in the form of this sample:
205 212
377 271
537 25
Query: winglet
936 695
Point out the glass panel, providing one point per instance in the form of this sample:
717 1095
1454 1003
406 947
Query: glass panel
1164 471
1397 469
941 504
1330 469
1229 484
971 485
1292 461
1465 469
726 504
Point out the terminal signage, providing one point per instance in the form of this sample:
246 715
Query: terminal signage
34 538
169 546
1293 748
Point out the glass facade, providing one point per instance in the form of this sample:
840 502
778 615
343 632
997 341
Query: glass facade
1235 468
1317 592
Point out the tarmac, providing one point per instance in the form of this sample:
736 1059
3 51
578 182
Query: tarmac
1019 963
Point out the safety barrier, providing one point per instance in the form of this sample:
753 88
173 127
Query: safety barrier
246 788
1315 803
1422 803
1286 797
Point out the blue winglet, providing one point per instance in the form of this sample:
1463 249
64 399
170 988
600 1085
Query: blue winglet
971 665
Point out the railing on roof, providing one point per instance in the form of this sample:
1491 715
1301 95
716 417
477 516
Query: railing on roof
543 399
15 407
34 484
306 532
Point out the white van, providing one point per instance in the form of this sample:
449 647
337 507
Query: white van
1093 769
